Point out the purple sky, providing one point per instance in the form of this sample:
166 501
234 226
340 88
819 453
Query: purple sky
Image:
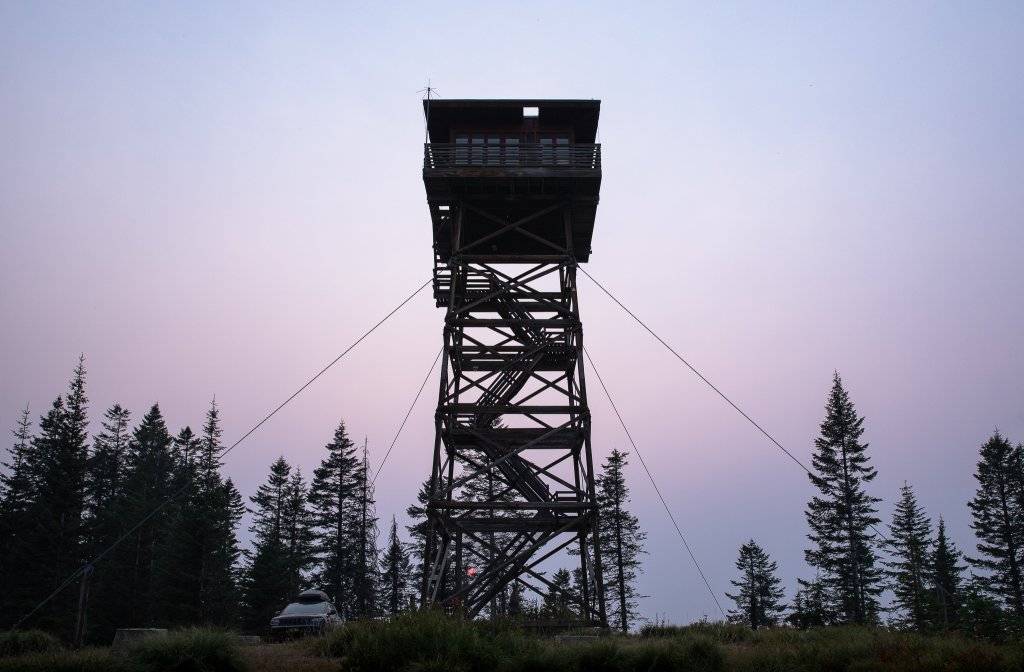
216 201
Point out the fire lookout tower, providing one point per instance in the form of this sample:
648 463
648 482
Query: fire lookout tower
512 187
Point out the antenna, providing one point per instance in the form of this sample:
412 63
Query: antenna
429 91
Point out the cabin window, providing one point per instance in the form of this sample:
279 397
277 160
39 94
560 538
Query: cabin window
554 149
461 149
512 151
531 112
493 150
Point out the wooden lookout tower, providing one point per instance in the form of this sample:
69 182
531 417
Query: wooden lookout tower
512 187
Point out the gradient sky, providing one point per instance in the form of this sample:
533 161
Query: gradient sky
216 200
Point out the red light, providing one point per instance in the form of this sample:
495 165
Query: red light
471 572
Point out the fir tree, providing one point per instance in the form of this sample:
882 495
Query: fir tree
16 487
946 579
297 532
199 559
266 584
336 519
106 470
998 522
981 615
17 492
841 514
908 567
395 573
515 600
226 508
560 599
105 491
578 585
148 483
186 453
759 594
218 508
365 570
418 529
622 540
57 466
810 606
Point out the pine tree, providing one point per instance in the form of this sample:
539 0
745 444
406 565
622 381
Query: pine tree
16 487
266 584
199 559
336 519
148 483
515 600
842 513
105 474
981 615
908 567
418 531
186 454
365 570
217 509
622 540
57 466
946 580
105 492
759 595
395 573
810 606
560 600
17 492
998 522
297 532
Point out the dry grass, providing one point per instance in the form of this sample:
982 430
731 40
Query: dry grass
424 642
287 657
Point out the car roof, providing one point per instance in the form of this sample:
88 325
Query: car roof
313 596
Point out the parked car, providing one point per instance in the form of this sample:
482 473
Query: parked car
310 613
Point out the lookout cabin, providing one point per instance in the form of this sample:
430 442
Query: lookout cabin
489 164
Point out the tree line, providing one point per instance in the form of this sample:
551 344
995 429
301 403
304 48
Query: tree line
163 521
934 587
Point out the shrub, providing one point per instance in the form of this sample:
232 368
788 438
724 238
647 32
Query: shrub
192 650
853 649
422 641
86 660
17 642
723 633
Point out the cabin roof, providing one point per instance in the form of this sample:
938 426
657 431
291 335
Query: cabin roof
582 115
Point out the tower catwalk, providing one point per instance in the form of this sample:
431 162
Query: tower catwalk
512 187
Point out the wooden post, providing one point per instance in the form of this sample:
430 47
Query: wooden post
83 603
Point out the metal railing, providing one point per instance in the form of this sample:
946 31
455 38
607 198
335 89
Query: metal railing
445 156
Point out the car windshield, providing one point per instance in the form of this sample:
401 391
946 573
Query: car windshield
305 608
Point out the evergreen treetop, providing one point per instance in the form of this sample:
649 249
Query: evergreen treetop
842 514
947 579
759 593
997 510
622 541
908 567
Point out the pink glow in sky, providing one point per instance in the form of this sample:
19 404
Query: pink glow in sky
217 200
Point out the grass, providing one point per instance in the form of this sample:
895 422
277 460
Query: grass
30 641
195 650
429 642
850 649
